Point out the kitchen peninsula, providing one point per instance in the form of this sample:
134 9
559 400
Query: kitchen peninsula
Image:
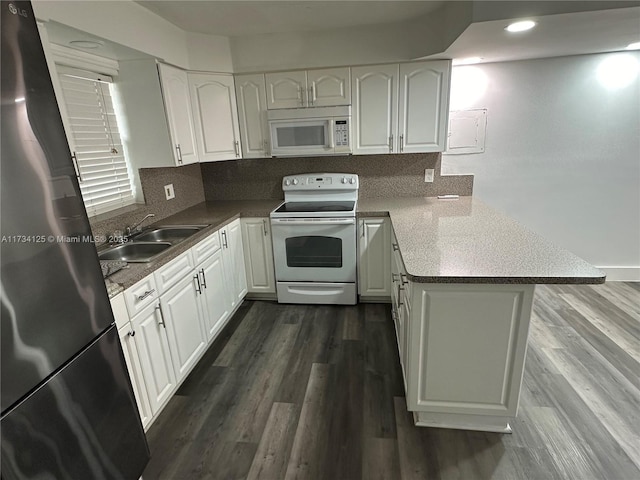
462 277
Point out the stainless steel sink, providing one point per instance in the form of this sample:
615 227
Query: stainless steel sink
172 234
134 252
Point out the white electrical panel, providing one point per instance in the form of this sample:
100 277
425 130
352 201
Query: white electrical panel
467 130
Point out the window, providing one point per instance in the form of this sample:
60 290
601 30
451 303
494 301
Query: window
94 139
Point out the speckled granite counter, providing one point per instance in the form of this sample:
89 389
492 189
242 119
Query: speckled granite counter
465 241
216 214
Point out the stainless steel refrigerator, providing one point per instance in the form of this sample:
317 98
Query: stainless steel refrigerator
68 409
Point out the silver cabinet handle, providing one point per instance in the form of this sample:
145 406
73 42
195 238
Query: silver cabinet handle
204 278
391 143
179 150
395 247
198 286
400 296
264 226
312 94
404 279
362 229
74 159
132 333
161 322
401 143
224 239
236 148
146 294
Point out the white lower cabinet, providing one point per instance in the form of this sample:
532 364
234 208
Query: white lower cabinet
233 262
168 334
258 255
184 324
132 359
214 301
374 278
154 355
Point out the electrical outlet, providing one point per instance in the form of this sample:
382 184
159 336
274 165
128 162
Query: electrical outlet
168 191
428 175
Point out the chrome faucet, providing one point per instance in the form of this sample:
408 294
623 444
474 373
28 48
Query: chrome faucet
136 226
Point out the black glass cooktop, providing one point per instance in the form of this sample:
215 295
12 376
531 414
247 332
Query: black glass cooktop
293 207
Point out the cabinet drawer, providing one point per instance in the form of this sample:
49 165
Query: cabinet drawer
206 248
140 295
119 308
174 271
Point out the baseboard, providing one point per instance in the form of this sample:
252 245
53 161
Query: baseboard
622 274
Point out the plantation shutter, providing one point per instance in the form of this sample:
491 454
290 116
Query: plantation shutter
95 140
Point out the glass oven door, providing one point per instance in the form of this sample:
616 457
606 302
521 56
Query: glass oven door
314 249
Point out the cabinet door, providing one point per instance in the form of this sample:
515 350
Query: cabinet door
215 299
329 86
175 90
258 255
423 106
286 89
132 359
375 263
252 114
375 104
233 261
185 330
213 101
155 358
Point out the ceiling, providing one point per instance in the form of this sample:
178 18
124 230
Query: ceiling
592 27
240 17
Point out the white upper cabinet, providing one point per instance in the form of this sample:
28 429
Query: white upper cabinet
252 115
324 87
286 89
328 87
175 90
374 110
423 106
213 102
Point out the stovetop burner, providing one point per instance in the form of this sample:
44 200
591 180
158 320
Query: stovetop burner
310 207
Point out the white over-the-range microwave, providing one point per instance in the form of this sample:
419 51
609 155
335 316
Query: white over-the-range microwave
310 131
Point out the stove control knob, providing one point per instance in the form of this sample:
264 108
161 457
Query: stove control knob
295 181
352 181
344 180
287 182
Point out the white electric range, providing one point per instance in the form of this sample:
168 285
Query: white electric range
314 239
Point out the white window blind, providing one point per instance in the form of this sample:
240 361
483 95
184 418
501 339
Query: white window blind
102 169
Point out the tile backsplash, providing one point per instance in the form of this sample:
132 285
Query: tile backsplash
187 184
380 176
256 179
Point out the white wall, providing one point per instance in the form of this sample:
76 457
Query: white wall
562 155
127 23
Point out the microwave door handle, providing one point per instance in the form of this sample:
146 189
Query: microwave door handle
332 127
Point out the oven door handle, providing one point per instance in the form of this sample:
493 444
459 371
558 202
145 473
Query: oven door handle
311 223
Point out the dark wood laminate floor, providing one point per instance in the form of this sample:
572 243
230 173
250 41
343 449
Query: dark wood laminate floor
315 392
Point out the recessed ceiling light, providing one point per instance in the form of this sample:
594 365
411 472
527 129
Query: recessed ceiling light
89 44
634 46
521 26
467 61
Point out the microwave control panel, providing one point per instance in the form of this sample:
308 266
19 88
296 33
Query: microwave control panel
341 133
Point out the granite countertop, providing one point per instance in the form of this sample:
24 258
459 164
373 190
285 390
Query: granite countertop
215 214
441 241
465 241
